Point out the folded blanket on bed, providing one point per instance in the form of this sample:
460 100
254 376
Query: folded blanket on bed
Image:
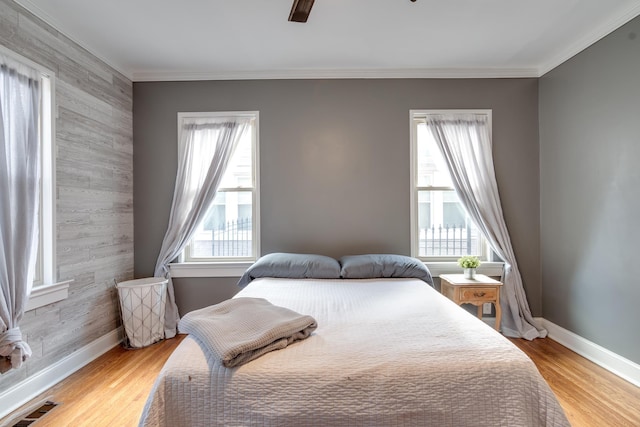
240 330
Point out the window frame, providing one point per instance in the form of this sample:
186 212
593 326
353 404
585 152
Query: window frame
189 266
45 290
439 262
46 215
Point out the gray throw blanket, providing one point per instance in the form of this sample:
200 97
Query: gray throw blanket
240 330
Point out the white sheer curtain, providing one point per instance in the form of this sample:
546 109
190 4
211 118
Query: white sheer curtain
206 147
465 142
19 199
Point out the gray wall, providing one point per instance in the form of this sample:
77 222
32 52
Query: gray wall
590 181
94 214
334 162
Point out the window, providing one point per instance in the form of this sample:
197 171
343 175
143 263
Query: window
229 231
44 266
441 229
45 290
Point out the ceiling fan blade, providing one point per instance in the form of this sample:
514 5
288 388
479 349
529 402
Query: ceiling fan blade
300 10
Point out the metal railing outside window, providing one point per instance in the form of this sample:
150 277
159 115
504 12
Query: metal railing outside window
448 241
229 239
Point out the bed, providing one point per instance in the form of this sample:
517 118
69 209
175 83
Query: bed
387 352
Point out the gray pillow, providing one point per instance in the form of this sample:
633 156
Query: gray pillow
373 266
292 266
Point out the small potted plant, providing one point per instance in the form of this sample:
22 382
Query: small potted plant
469 263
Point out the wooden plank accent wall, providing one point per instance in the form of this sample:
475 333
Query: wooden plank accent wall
94 212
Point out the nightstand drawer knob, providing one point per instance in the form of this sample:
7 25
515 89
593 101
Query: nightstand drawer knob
479 294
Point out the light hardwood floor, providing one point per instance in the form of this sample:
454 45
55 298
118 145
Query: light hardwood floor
589 394
112 390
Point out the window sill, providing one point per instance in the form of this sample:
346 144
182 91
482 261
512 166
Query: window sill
208 269
487 268
48 294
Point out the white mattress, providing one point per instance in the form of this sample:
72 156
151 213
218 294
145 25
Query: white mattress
387 352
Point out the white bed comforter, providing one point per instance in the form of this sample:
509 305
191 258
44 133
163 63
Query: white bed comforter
387 352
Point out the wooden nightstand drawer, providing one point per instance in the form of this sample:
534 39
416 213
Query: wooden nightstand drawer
478 294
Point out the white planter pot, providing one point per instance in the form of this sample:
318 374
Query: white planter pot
469 273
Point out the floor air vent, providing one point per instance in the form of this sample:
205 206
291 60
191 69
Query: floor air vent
36 414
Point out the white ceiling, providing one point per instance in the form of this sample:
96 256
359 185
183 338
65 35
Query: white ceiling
240 39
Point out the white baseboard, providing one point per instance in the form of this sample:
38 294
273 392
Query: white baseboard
616 364
24 391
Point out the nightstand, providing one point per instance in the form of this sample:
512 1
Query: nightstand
474 291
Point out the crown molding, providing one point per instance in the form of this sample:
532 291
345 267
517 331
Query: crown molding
399 73
589 39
